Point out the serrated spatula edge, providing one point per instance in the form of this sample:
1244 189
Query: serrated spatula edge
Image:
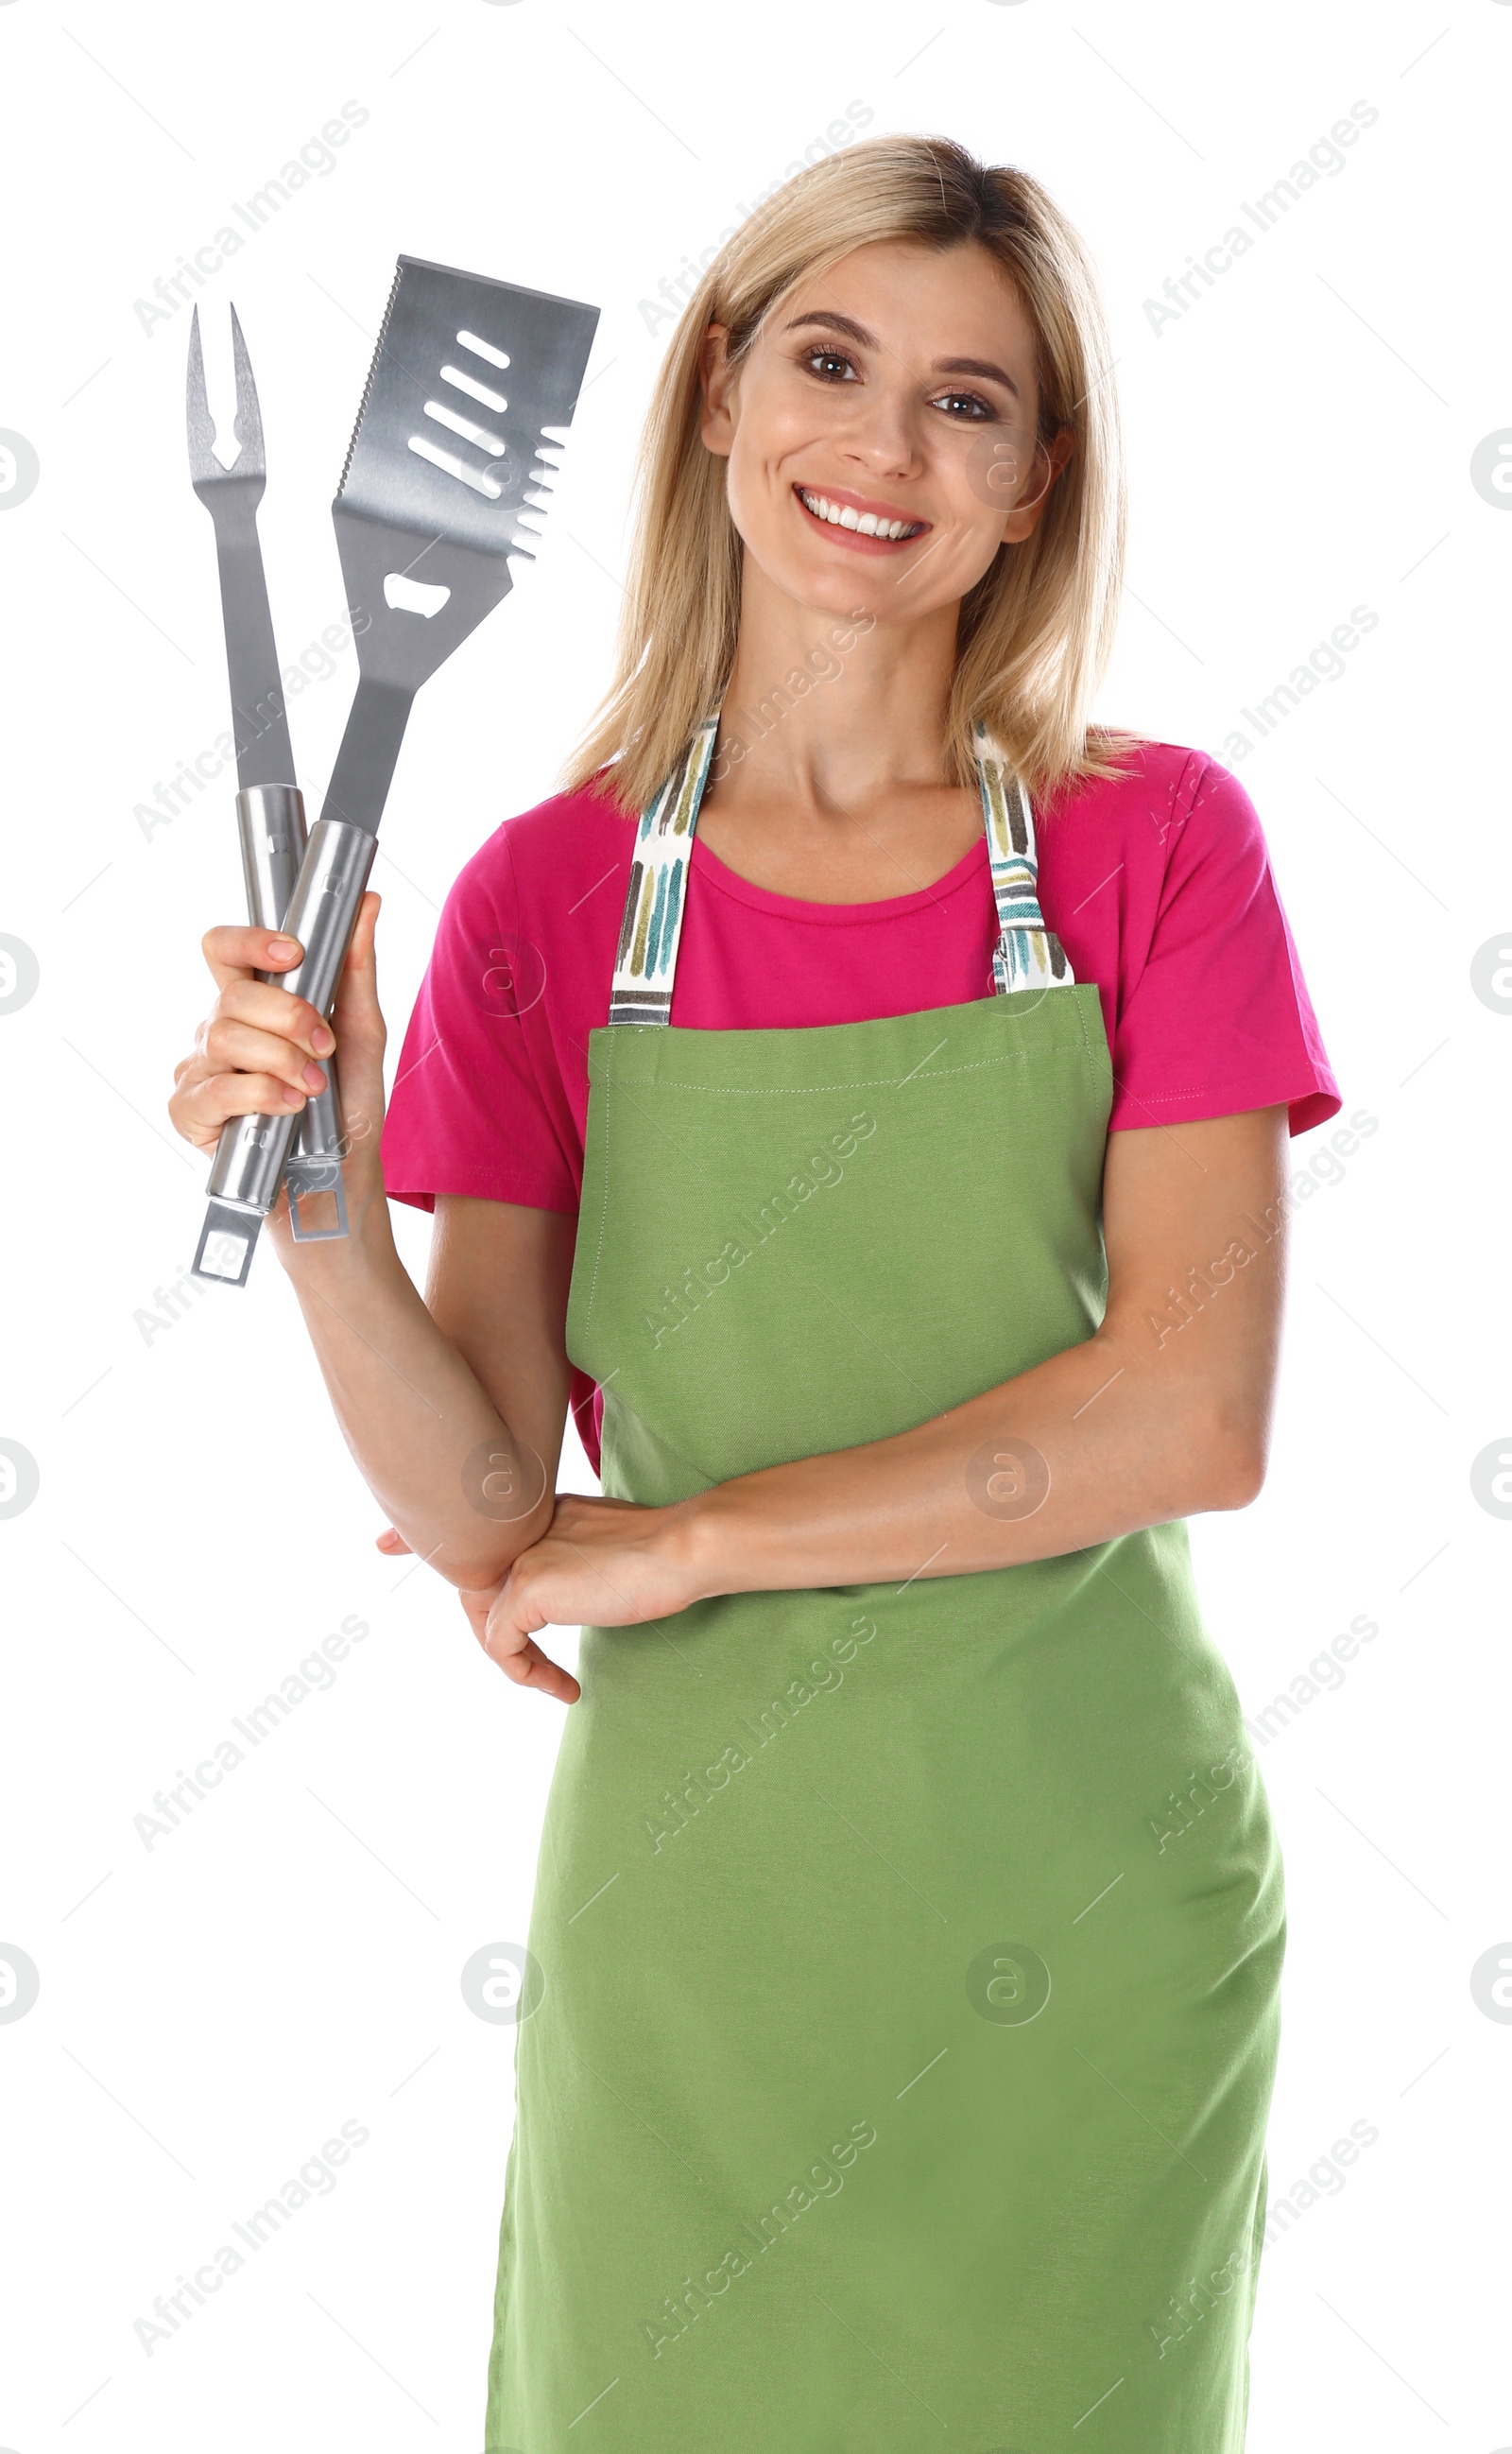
372 368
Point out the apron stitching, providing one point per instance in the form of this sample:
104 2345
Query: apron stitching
1086 1037
603 1208
867 1082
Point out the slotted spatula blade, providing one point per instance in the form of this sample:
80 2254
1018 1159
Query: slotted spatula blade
472 385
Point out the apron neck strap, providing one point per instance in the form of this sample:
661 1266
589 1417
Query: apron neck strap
653 922
1027 954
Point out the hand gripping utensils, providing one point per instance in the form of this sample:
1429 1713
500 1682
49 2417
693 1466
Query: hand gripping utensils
269 807
446 468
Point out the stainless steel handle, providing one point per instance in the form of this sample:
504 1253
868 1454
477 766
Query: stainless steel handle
271 823
322 914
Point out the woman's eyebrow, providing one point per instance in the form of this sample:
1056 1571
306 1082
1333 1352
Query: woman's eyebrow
977 367
858 332
838 324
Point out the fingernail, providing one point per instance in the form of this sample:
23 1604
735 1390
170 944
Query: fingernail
292 1099
321 1039
315 1077
283 949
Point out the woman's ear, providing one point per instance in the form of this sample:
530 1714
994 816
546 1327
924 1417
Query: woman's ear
717 378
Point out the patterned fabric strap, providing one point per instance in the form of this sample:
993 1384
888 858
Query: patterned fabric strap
1026 955
653 903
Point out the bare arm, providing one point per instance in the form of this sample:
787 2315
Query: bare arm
1163 1413
454 1406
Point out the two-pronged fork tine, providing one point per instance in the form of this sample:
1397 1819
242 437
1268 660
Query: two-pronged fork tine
249 420
251 461
203 467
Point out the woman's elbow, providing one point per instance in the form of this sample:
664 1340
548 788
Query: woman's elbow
1232 1463
477 1558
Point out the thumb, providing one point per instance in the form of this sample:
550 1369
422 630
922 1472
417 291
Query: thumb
357 993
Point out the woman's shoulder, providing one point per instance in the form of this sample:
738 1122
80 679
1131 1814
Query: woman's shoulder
1167 805
1169 778
559 848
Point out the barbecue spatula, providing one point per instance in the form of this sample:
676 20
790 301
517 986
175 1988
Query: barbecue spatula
443 482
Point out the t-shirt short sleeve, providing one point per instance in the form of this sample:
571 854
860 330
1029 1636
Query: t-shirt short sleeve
469 1111
1213 1015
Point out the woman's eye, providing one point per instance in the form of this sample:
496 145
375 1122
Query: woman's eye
832 366
964 404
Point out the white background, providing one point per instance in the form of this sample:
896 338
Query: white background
214 2007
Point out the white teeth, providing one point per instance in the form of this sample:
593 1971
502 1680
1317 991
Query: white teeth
864 523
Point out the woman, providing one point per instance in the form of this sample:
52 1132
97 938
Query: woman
908 1928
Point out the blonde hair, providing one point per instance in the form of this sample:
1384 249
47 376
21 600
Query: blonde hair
1037 629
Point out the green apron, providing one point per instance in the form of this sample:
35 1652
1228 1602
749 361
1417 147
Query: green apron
910 1954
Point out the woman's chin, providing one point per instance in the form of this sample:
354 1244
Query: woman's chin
823 586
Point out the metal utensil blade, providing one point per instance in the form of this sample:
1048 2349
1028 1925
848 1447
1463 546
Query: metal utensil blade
445 481
231 494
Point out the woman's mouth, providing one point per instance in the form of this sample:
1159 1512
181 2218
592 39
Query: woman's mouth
865 527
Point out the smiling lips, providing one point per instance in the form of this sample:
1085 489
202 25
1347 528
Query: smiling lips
864 527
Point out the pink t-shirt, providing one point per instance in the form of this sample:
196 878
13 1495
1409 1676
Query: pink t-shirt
1158 884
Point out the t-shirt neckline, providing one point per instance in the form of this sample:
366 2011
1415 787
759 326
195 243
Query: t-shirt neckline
708 866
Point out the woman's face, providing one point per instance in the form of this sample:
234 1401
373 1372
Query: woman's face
881 432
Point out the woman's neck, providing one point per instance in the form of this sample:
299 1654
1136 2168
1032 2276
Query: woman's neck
829 780
826 713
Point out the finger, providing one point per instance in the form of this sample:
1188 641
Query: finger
392 1541
476 1613
230 1047
233 952
530 1667
357 1008
268 1007
508 1638
362 952
199 1110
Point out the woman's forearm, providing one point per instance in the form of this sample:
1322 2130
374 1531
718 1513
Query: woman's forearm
1096 1443
466 1495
